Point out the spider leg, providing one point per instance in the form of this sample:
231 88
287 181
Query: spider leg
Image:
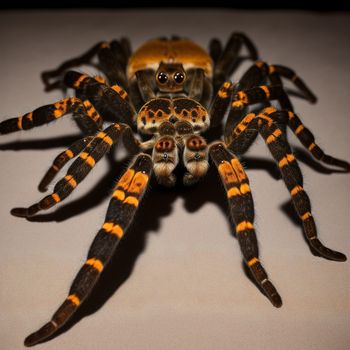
113 63
241 99
132 144
122 208
308 140
111 101
259 94
289 74
220 103
62 159
77 172
143 80
255 75
242 135
278 145
274 74
215 50
199 86
84 58
241 205
109 53
229 59
51 112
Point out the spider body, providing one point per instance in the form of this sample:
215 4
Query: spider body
162 101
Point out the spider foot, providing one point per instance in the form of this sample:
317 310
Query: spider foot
25 212
271 293
326 252
336 162
43 333
264 283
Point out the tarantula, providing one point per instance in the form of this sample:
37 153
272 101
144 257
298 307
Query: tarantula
162 100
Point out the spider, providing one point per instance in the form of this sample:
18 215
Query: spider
162 101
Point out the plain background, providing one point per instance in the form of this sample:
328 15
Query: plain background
177 281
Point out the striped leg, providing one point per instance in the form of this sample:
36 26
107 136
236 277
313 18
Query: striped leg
144 84
289 74
228 61
49 113
111 100
196 88
259 94
215 50
274 74
242 135
220 103
121 211
77 172
61 160
255 75
237 112
84 58
242 212
308 140
113 63
109 54
241 100
278 145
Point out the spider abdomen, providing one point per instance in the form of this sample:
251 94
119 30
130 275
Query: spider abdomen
184 51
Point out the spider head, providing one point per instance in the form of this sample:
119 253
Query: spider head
159 110
170 77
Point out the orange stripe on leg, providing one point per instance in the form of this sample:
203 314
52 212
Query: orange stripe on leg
299 129
19 123
95 263
306 216
56 197
70 179
74 299
113 229
296 190
311 147
285 160
88 159
252 261
244 225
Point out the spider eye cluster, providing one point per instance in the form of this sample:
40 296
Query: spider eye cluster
163 77
170 77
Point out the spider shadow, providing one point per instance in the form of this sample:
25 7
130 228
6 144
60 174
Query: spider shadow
55 142
159 201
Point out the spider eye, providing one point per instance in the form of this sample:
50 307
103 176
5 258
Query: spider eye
162 77
179 77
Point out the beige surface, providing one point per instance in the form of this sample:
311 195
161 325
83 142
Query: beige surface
178 282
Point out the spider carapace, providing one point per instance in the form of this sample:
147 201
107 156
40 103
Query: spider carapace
162 101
